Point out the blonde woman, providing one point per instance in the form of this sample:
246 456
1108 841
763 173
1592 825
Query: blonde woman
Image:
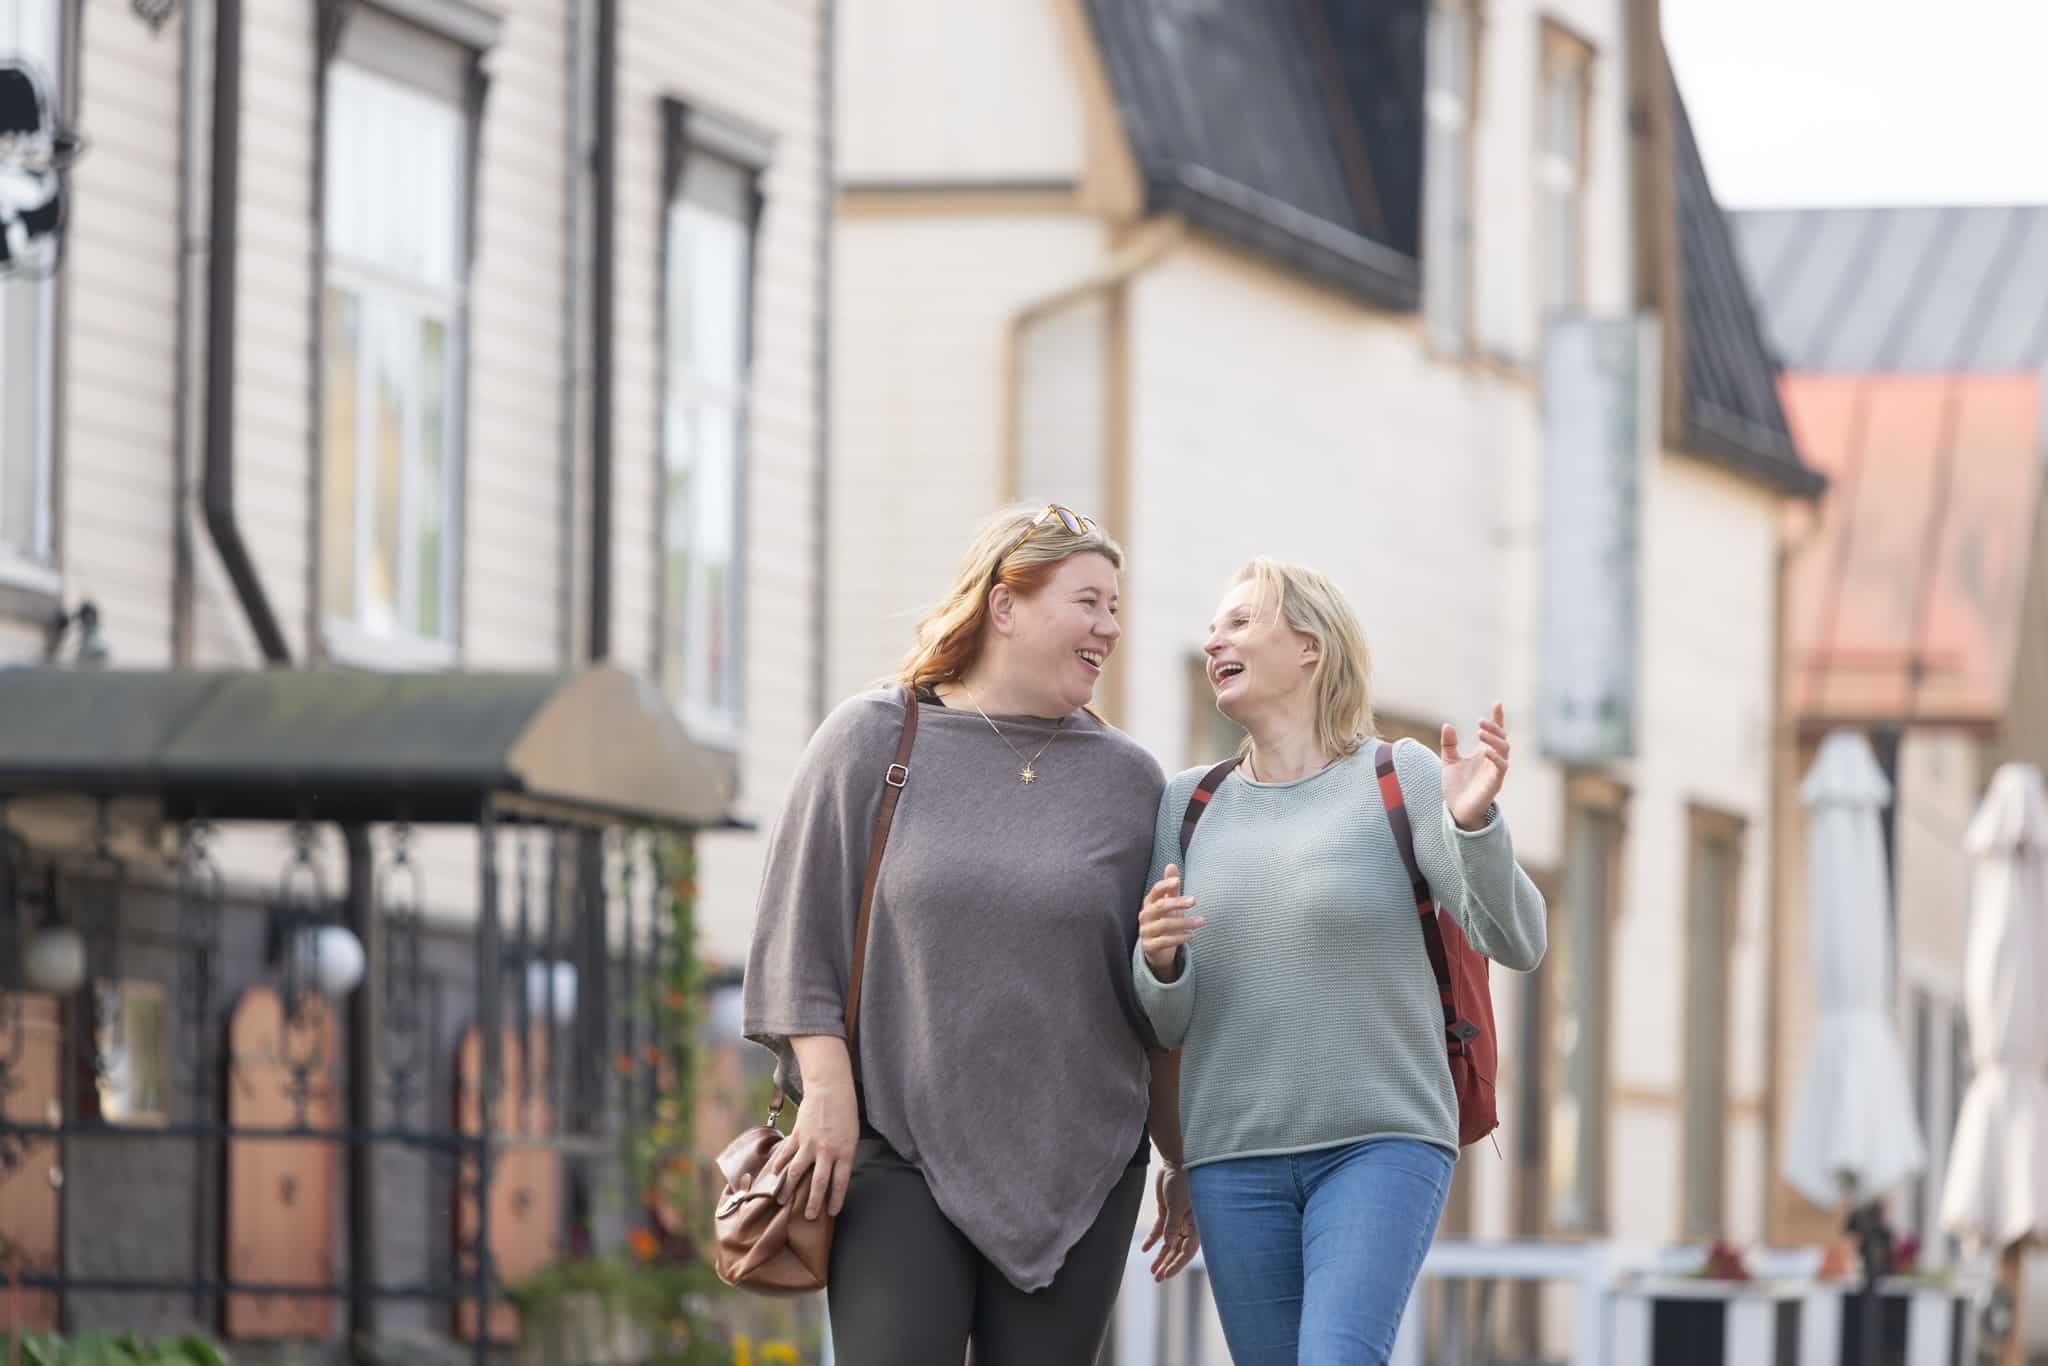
986 1151
1288 964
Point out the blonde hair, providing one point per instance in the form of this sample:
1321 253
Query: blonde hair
950 637
1308 602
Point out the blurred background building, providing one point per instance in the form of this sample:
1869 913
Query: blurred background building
629 374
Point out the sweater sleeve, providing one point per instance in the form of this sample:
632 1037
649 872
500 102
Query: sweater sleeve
1167 1005
1472 873
799 964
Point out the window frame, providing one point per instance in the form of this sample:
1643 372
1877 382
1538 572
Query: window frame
689 131
1589 797
1455 115
399 48
31 577
1562 52
1703 1134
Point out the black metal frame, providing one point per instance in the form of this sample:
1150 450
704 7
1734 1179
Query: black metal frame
587 857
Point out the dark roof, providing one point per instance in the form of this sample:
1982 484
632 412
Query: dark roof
1730 405
1243 117
345 745
1902 290
1295 128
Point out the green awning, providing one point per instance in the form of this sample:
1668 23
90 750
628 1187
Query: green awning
339 745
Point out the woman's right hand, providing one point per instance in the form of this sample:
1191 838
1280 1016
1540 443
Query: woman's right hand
1164 925
827 1128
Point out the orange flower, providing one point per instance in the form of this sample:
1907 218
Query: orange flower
623 1064
644 1244
674 999
650 1055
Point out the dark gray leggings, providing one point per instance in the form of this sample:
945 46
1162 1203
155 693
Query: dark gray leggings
908 1289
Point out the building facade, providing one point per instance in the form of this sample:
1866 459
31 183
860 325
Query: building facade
433 339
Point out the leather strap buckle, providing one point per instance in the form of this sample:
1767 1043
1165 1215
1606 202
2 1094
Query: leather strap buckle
898 775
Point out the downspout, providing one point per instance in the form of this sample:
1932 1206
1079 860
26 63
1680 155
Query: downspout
217 487
1147 245
821 380
572 316
604 223
184 438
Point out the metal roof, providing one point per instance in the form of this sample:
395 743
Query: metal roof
1296 130
343 745
1242 116
1907 602
1730 402
1901 290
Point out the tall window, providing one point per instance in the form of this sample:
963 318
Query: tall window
1710 919
30 31
1561 169
707 306
1574 980
397 144
1447 251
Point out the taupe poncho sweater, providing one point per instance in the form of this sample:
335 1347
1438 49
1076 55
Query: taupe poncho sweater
1001 1048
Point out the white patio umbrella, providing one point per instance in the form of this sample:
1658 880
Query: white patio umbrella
1997 1186
1854 1133
1996 1194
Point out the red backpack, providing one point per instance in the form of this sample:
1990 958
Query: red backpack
1470 1042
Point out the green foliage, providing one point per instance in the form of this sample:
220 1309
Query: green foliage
664 1154
667 1299
109 1349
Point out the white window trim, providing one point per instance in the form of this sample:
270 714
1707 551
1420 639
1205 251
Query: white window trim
1450 108
351 643
34 568
346 639
1562 176
698 133
19 571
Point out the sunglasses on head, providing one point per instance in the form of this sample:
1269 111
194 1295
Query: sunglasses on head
1074 522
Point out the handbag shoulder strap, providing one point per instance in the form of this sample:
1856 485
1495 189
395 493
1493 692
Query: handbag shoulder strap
1425 902
893 781
1198 802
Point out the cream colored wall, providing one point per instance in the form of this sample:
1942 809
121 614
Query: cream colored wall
120 282
919 310
1704 734
937 90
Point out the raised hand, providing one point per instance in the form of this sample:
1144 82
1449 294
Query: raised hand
1472 781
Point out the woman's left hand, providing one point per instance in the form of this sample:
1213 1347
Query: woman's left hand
1174 1229
1472 781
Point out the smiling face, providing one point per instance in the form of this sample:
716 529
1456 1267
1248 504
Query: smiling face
1061 636
1258 664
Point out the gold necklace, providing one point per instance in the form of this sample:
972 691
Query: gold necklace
1027 774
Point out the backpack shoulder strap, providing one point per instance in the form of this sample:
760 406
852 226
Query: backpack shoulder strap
1425 902
1198 801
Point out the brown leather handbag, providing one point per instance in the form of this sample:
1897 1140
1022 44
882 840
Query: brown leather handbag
761 1239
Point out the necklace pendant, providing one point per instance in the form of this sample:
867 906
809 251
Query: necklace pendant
1026 774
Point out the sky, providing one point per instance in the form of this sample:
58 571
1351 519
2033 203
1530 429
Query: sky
1866 102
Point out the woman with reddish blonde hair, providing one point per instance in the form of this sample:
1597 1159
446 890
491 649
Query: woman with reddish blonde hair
984 1144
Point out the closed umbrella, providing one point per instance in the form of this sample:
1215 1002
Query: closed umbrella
1996 1193
1854 1133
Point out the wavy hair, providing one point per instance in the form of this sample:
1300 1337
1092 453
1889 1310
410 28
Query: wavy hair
950 637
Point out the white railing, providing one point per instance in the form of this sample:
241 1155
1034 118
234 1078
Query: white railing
1142 1334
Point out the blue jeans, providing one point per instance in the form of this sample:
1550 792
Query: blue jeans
1311 1256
